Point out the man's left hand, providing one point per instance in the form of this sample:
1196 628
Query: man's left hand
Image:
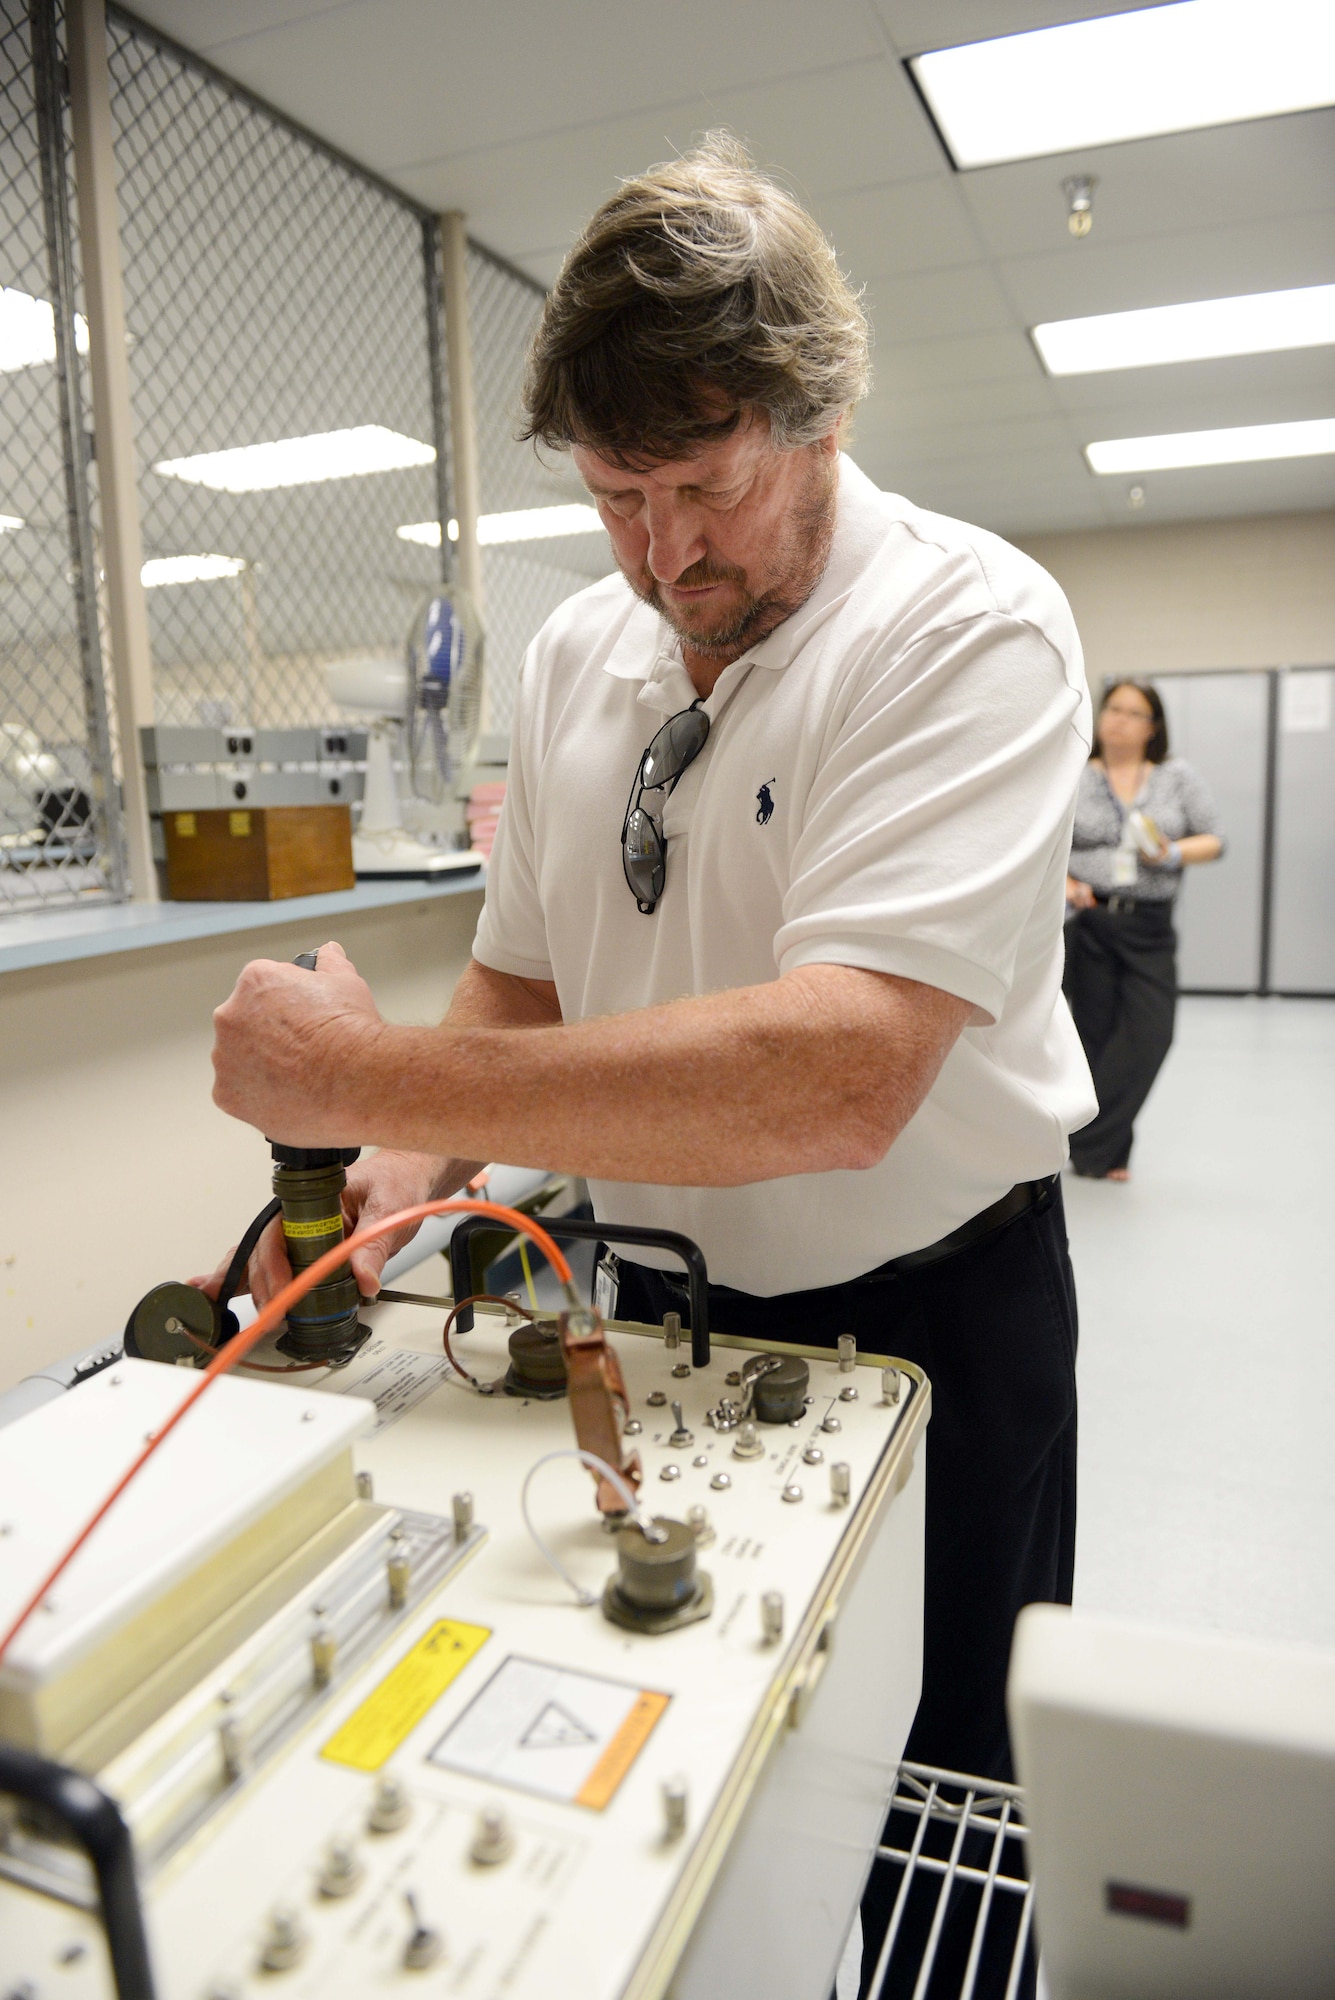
289 1046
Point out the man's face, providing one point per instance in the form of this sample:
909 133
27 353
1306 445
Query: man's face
727 545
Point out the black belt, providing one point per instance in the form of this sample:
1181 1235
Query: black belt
1024 1195
1117 902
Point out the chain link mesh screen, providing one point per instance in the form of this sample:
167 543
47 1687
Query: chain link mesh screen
523 581
273 292
59 834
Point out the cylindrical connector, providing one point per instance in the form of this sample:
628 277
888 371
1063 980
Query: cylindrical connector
771 1617
463 1516
323 1325
841 1483
848 1353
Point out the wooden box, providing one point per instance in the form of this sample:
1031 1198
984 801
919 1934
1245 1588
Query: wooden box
258 854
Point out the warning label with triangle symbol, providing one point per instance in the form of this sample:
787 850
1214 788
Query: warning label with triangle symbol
555 1728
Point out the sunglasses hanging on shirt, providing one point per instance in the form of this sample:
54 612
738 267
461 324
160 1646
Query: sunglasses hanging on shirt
643 848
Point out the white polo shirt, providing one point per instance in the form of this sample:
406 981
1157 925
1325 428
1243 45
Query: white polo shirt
889 782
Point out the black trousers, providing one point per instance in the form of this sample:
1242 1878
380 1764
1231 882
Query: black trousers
1121 982
994 1329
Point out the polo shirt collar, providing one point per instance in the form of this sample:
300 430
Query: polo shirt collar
648 650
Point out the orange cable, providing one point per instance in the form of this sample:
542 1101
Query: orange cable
267 1319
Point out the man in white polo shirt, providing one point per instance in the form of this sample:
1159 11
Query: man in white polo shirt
772 942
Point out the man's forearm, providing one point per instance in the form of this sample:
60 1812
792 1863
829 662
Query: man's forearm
806 1074
481 999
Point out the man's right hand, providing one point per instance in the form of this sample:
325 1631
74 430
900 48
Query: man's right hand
376 1187
1079 894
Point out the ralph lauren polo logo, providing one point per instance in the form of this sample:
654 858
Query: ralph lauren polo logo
765 801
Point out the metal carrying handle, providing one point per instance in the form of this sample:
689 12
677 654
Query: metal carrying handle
95 1823
692 1256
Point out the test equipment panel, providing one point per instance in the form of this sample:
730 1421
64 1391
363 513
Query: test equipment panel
395 1693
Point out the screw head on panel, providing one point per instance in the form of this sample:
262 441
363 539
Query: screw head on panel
391 1806
493 1841
675 1800
284 1940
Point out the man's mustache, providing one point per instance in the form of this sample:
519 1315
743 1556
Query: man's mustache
704 572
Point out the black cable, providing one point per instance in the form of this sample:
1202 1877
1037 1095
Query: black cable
96 1824
245 1249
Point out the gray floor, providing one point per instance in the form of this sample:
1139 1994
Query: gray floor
1207 1335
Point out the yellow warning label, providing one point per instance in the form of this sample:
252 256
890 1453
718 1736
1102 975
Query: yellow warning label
238 825
323 1225
185 826
602 1781
390 1713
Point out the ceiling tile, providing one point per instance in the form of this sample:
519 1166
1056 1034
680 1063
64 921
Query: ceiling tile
833 129
211 24
936 305
410 80
1159 187
1242 384
1164 270
917 25
955 403
1015 441
980 357
880 232
1275 486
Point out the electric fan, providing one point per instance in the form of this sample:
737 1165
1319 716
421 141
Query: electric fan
426 711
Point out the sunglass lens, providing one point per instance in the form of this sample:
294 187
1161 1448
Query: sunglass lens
642 857
676 743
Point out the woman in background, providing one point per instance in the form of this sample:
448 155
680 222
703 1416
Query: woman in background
1141 817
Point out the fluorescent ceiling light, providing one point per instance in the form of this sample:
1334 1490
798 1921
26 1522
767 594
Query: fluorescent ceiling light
302 461
522 524
8 522
1231 447
1259 323
28 331
188 569
1158 69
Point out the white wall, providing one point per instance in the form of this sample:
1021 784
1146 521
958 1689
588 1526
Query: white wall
1197 595
116 1170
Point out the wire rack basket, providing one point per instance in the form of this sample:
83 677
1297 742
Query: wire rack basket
955 1873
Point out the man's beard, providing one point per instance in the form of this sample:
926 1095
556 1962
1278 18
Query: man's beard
798 566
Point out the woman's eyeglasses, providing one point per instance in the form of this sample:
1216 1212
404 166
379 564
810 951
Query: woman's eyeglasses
643 849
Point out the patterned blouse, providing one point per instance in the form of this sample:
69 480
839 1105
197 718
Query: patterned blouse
1172 796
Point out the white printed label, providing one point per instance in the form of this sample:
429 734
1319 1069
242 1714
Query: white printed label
543 1729
1305 703
393 1378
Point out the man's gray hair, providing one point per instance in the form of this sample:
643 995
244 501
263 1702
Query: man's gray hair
699 294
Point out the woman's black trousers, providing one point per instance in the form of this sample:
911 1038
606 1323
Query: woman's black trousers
1121 982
